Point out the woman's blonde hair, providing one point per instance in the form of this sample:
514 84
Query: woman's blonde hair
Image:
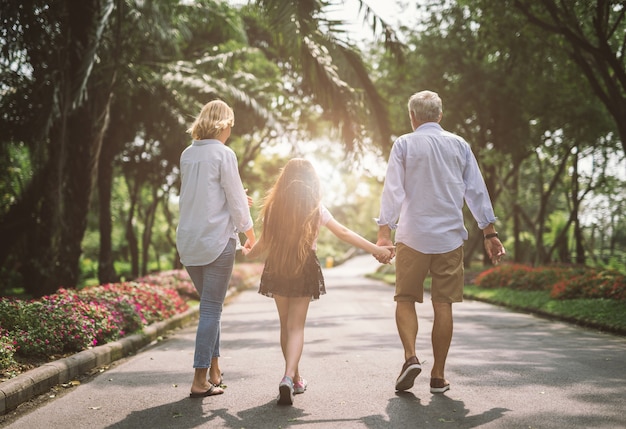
214 117
291 217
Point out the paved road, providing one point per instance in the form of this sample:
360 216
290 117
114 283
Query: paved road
507 370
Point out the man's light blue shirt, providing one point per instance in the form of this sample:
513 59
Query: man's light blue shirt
431 173
213 203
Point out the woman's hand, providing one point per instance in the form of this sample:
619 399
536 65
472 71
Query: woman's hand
385 254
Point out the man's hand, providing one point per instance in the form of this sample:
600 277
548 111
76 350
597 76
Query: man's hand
388 245
495 249
384 240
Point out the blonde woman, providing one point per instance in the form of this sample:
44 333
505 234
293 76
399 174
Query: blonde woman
214 207
292 215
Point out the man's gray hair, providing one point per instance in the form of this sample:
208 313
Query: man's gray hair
426 106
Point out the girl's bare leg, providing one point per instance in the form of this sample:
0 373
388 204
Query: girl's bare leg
292 314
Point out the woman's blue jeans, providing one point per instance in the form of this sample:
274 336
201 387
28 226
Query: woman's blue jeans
211 282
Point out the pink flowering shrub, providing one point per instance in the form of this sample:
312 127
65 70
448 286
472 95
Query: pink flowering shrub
70 320
7 349
562 282
113 297
142 303
177 280
502 276
60 323
591 283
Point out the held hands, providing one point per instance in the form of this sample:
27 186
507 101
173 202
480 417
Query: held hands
246 247
387 252
386 255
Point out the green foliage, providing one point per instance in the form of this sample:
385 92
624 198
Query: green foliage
290 80
70 324
15 173
7 350
592 284
562 282
595 309
522 277
177 280
604 314
70 321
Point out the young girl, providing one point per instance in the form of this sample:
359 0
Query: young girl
291 216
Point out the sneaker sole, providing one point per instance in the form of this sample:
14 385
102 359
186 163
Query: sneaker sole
407 378
285 397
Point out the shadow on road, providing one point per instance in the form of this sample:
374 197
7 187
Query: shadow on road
407 410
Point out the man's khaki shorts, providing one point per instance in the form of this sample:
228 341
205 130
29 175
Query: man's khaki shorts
446 270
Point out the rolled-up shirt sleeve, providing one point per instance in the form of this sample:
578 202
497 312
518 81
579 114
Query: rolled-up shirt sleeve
476 193
235 194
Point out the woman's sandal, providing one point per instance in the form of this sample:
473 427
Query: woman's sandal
213 390
220 383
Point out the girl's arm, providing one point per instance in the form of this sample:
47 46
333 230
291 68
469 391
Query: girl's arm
383 254
256 250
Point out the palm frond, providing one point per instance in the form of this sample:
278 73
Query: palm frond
189 75
390 39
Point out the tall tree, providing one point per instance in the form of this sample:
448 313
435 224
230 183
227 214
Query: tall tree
49 62
594 36
65 63
330 71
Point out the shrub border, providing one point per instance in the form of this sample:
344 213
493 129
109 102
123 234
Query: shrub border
39 380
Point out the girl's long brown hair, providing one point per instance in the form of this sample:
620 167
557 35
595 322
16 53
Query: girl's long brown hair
291 217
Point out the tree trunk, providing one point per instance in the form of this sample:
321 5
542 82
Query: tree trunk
106 268
147 232
131 237
578 235
52 243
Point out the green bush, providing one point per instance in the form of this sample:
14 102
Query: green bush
62 323
562 282
70 321
592 283
177 280
502 276
7 349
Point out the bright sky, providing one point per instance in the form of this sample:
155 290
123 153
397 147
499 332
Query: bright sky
391 11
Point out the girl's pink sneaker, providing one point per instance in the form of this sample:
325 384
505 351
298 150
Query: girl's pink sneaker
299 386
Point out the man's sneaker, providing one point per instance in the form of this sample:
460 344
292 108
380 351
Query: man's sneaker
410 370
439 385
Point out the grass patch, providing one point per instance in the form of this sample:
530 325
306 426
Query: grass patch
602 314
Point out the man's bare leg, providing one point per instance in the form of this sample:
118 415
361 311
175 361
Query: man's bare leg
441 337
406 322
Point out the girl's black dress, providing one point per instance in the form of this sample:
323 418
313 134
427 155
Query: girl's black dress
309 283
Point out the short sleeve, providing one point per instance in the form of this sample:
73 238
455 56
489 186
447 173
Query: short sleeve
326 216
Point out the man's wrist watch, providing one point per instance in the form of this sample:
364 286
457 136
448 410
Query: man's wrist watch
492 235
